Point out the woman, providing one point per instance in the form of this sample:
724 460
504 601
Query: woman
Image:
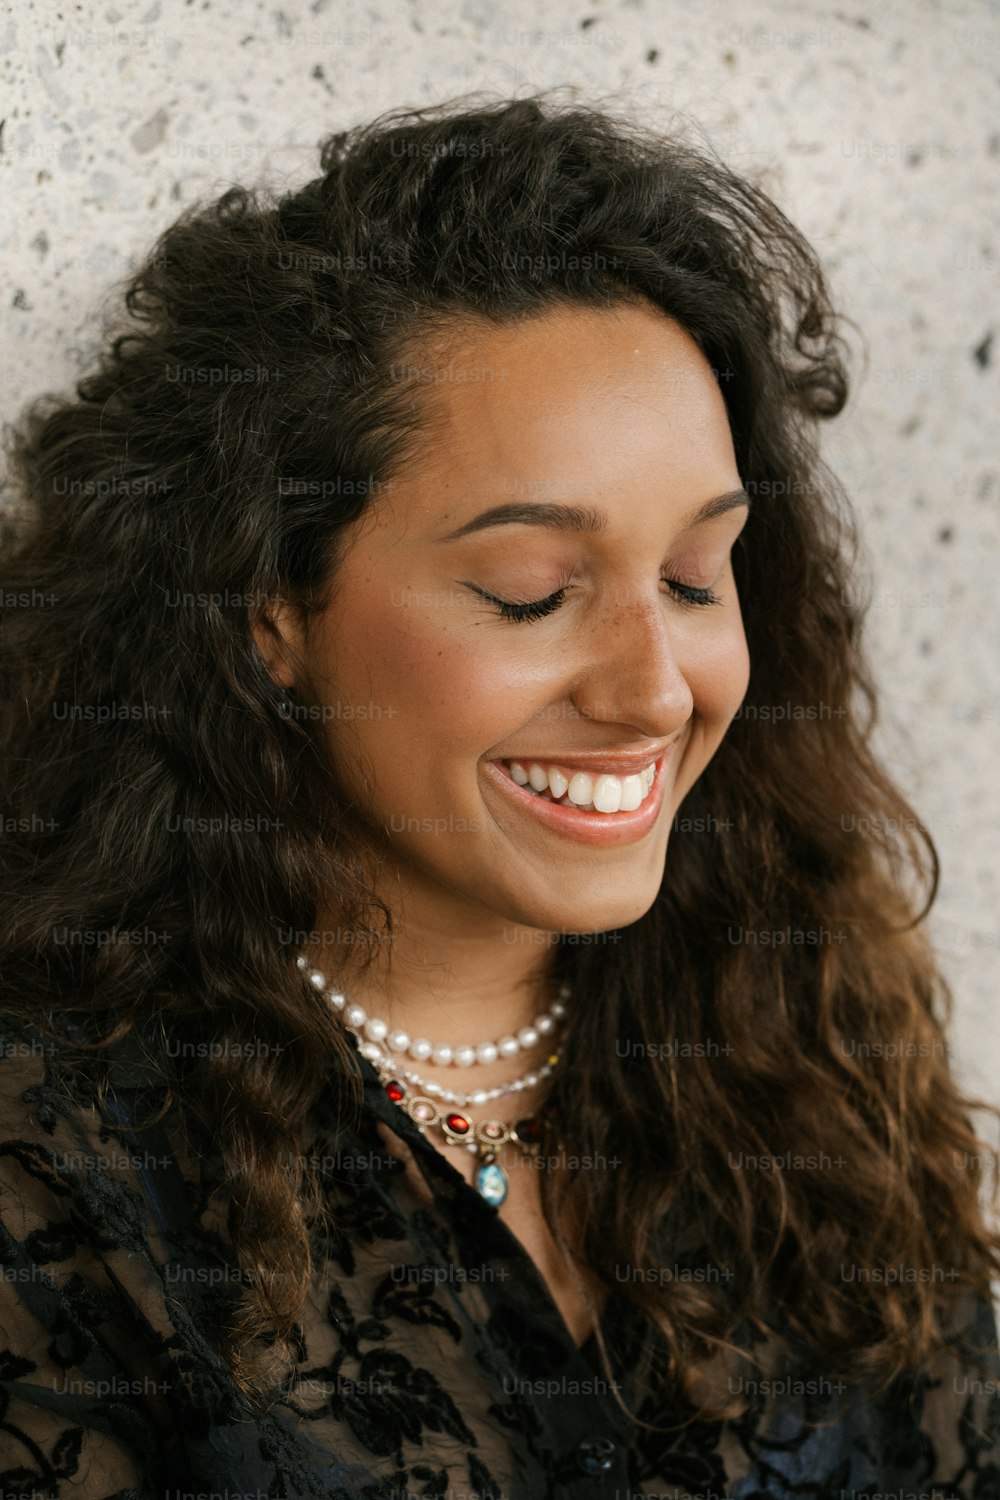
457 1041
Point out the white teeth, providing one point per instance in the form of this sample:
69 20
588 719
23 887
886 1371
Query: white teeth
601 793
634 788
607 796
558 783
581 789
537 778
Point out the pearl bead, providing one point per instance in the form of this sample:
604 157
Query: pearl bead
375 1041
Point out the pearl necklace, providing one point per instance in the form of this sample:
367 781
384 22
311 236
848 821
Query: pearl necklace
488 1136
374 1054
420 1049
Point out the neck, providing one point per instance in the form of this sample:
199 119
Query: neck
475 993
452 986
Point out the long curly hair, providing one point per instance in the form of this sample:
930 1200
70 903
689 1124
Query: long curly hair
777 1011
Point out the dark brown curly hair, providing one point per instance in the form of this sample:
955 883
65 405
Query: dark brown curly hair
688 1051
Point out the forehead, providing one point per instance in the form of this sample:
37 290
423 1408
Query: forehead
570 405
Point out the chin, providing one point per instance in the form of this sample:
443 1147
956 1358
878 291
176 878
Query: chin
597 916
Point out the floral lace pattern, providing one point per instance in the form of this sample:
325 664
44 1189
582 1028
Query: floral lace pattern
432 1360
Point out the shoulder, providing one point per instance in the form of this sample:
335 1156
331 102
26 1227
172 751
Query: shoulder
77 1288
43 1125
82 1140
74 1199
55 1138
106 1330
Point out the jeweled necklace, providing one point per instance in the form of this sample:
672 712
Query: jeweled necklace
485 1138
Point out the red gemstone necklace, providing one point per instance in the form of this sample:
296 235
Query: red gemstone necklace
485 1138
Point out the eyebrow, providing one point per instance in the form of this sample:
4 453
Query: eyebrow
581 517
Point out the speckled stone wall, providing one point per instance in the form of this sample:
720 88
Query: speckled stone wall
875 126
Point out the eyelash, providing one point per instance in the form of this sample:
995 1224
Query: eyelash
689 596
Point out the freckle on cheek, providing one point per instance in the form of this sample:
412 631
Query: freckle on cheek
406 661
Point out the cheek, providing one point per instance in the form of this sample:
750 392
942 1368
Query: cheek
718 673
432 684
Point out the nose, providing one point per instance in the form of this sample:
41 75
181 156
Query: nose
633 675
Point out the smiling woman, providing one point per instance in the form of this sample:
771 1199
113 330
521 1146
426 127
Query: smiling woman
403 732
616 406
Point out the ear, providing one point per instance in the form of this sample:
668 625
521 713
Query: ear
277 633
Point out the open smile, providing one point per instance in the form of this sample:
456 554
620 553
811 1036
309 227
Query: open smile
591 807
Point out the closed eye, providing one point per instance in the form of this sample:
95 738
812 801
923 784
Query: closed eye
685 594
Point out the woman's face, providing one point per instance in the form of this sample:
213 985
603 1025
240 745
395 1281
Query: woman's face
428 687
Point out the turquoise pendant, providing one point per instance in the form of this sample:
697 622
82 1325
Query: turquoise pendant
491 1183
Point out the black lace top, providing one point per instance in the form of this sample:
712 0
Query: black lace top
432 1360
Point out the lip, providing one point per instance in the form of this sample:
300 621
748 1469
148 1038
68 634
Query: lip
621 763
601 829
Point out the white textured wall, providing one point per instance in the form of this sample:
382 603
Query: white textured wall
875 125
